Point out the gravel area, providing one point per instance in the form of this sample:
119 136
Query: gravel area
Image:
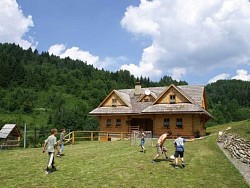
242 167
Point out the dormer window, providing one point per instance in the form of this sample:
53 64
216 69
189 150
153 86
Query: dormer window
172 99
114 104
146 99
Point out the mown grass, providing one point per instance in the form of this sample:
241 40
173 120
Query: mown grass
117 164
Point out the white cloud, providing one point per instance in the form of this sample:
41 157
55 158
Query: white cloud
14 25
77 53
144 22
222 76
57 49
195 35
73 53
177 73
242 75
108 63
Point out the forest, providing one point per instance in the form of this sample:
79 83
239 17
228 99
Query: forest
64 91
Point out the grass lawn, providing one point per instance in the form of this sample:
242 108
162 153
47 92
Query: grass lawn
117 164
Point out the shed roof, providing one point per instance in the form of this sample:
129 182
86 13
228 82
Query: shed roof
7 129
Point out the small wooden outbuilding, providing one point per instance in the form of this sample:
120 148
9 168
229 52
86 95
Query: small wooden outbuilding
10 136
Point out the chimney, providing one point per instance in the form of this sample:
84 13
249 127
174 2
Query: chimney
138 88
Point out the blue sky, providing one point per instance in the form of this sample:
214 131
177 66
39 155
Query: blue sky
193 40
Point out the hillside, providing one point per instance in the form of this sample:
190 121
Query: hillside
44 90
228 100
62 91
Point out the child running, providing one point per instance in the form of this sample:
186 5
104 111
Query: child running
50 144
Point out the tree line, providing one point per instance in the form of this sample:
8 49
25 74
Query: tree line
228 100
67 90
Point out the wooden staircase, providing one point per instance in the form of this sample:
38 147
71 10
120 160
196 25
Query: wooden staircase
133 128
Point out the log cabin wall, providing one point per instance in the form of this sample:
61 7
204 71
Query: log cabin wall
114 126
190 125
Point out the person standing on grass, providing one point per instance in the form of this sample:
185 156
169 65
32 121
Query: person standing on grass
143 136
50 144
62 138
179 150
160 147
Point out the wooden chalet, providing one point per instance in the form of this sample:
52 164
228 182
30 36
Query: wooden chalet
9 136
181 109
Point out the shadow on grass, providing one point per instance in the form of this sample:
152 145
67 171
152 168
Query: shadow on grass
160 160
179 166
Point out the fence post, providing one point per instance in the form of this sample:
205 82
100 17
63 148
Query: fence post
35 137
121 136
91 135
24 138
107 136
73 137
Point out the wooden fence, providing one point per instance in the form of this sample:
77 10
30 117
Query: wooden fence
96 136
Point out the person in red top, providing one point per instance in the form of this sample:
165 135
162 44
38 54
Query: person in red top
160 147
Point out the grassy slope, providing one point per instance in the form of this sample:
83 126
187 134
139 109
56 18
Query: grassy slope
117 164
242 128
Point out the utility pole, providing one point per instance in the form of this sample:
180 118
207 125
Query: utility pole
24 137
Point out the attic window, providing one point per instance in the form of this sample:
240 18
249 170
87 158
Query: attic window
172 99
114 104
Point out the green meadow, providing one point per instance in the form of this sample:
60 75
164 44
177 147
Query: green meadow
118 164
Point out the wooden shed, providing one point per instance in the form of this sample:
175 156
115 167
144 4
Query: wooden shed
9 136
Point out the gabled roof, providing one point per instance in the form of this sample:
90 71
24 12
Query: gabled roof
144 95
179 90
123 96
194 94
7 129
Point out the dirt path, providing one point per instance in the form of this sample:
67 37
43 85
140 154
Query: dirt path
242 167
